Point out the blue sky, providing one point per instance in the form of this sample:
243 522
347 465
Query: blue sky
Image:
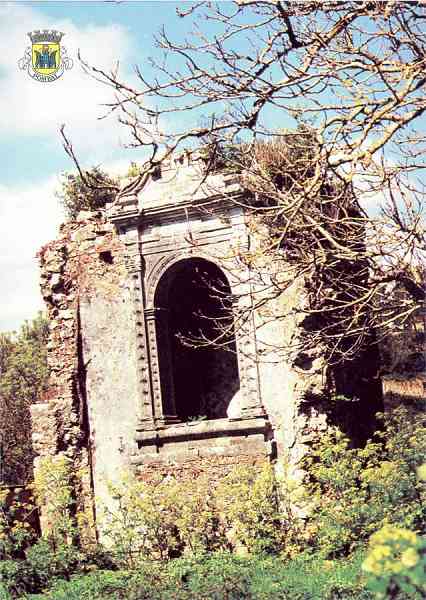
32 157
31 112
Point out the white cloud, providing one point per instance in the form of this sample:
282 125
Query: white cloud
29 212
29 218
32 108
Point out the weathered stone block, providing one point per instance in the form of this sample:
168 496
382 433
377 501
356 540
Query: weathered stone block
66 314
84 233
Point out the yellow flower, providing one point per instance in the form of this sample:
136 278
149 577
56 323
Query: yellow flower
409 558
393 535
421 472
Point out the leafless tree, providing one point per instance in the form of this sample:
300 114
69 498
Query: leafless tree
341 198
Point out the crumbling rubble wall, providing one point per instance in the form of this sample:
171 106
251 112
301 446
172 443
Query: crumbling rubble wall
88 409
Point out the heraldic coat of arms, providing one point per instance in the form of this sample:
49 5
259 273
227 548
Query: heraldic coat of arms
45 59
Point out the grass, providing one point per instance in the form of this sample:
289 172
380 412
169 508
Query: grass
220 577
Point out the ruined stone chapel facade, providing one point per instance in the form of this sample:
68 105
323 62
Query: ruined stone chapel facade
126 391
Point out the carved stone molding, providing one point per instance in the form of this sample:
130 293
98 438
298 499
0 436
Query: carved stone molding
161 264
150 255
154 440
134 265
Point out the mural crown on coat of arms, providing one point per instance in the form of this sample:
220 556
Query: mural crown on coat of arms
45 35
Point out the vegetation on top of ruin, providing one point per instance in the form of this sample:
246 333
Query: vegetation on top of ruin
90 193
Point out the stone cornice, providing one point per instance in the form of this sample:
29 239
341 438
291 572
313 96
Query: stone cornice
199 430
161 201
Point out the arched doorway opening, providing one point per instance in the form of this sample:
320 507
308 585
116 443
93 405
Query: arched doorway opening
198 378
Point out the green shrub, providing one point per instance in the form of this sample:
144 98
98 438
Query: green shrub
53 490
46 563
198 522
249 503
41 566
16 533
142 524
95 586
55 555
356 491
214 577
250 514
222 576
12 578
309 578
160 520
352 493
4 593
164 519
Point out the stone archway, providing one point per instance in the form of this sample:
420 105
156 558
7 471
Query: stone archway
198 379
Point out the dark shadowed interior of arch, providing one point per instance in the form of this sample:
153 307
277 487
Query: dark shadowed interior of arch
198 379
